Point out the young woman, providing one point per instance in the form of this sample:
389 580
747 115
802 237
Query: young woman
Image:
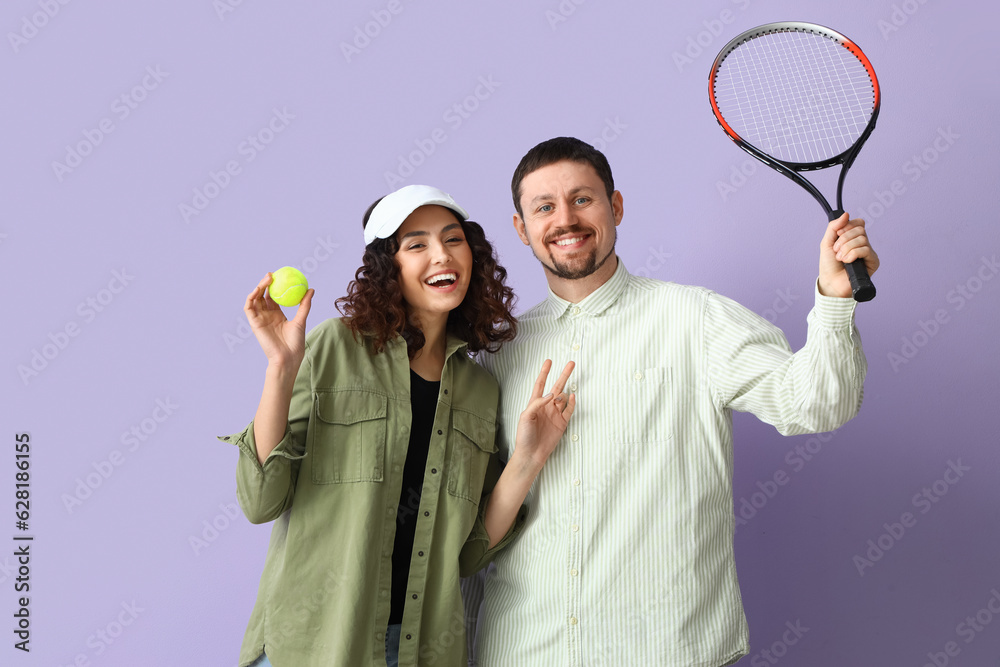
373 448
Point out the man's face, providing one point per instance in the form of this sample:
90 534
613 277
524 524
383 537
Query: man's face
568 220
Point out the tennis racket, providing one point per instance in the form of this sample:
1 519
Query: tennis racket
798 97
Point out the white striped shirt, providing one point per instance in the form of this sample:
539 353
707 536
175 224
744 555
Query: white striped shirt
627 555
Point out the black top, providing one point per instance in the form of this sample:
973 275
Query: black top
423 403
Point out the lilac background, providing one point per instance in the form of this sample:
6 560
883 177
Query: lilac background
606 72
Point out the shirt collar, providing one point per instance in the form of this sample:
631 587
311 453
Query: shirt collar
595 303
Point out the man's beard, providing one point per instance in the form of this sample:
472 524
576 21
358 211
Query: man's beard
589 267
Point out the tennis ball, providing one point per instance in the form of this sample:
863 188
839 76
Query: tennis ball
288 286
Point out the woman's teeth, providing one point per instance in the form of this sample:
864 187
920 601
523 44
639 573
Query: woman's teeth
442 278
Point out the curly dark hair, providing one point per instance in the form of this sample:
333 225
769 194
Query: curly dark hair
374 307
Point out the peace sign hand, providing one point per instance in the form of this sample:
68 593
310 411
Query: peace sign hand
544 421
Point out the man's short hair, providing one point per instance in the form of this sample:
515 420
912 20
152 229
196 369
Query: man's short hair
556 150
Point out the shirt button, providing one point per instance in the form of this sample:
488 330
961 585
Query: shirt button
576 437
434 471
572 387
409 636
384 592
576 346
574 572
575 528
414 596
446 391
572 620
638 376
576 310
427 513
440 431
420 553
378 636
576 482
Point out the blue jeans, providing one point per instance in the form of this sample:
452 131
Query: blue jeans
392 645
391 649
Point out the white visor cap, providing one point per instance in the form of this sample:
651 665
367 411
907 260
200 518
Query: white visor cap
390 213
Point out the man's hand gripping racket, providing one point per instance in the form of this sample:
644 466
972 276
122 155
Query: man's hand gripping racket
798 97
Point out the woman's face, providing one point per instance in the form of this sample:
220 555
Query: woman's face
435 263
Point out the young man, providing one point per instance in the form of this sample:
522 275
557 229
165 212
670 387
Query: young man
627 554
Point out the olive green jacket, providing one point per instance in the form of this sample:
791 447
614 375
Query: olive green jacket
332 486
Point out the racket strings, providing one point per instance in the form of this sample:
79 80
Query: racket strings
801 97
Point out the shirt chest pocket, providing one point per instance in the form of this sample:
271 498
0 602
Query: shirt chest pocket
471 442
639 404
347 437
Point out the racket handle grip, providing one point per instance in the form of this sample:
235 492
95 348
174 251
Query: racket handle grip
861 283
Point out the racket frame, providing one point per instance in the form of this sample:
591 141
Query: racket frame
785 167
861 284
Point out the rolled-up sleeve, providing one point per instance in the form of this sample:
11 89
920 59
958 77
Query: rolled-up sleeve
477 553
266 491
